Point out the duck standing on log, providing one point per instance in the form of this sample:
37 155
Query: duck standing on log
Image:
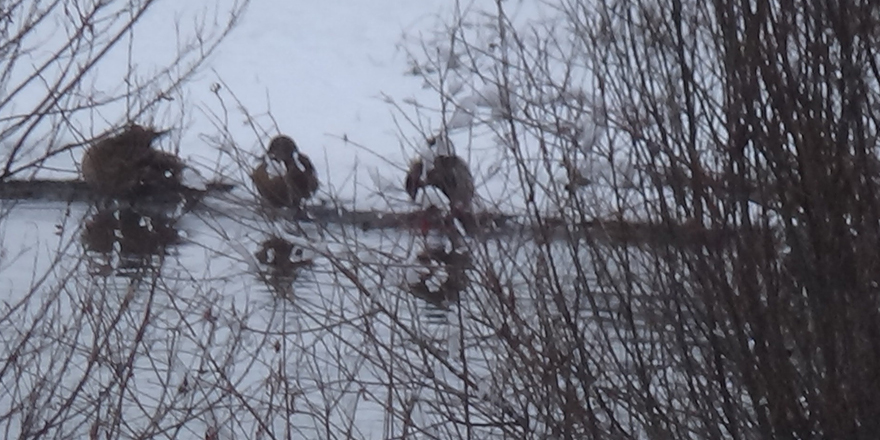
127 165
439 167
287 178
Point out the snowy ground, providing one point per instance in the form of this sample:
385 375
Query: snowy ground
322 70
351 82
332 72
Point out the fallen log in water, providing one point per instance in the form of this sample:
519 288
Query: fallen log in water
78 191
49 190
492 224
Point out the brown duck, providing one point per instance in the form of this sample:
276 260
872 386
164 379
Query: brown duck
127 165
442 169
288 177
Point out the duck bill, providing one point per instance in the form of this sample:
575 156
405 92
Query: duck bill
414 179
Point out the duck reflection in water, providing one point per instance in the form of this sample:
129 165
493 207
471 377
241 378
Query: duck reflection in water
283 262
139 240
438 275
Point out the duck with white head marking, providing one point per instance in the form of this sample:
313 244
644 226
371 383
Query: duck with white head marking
438 166
288 177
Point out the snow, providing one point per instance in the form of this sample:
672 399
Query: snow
275 168
356 84
320 72
325 72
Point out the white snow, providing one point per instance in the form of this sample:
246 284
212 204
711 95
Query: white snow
463 116
325 71
338 77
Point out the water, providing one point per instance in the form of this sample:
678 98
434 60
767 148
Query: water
134 325
233 323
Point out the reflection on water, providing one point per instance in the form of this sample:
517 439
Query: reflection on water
189 307
440 276
283 262
259 325
127 239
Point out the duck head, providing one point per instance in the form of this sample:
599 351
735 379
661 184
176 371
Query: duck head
414 178
139 136
440 145
282 148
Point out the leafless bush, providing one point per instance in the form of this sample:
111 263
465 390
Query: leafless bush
700 179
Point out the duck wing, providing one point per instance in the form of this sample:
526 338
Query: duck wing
112 169
451 175
302 177
159 171
273 189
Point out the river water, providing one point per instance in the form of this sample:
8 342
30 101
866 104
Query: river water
132 325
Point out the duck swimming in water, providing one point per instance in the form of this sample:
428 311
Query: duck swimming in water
285 177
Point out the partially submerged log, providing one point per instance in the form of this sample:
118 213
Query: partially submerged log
48 190
75 190
490 224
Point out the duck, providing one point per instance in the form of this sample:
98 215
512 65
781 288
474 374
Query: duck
285 177
439 167
127 165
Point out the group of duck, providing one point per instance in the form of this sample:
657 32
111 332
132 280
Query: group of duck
125 165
